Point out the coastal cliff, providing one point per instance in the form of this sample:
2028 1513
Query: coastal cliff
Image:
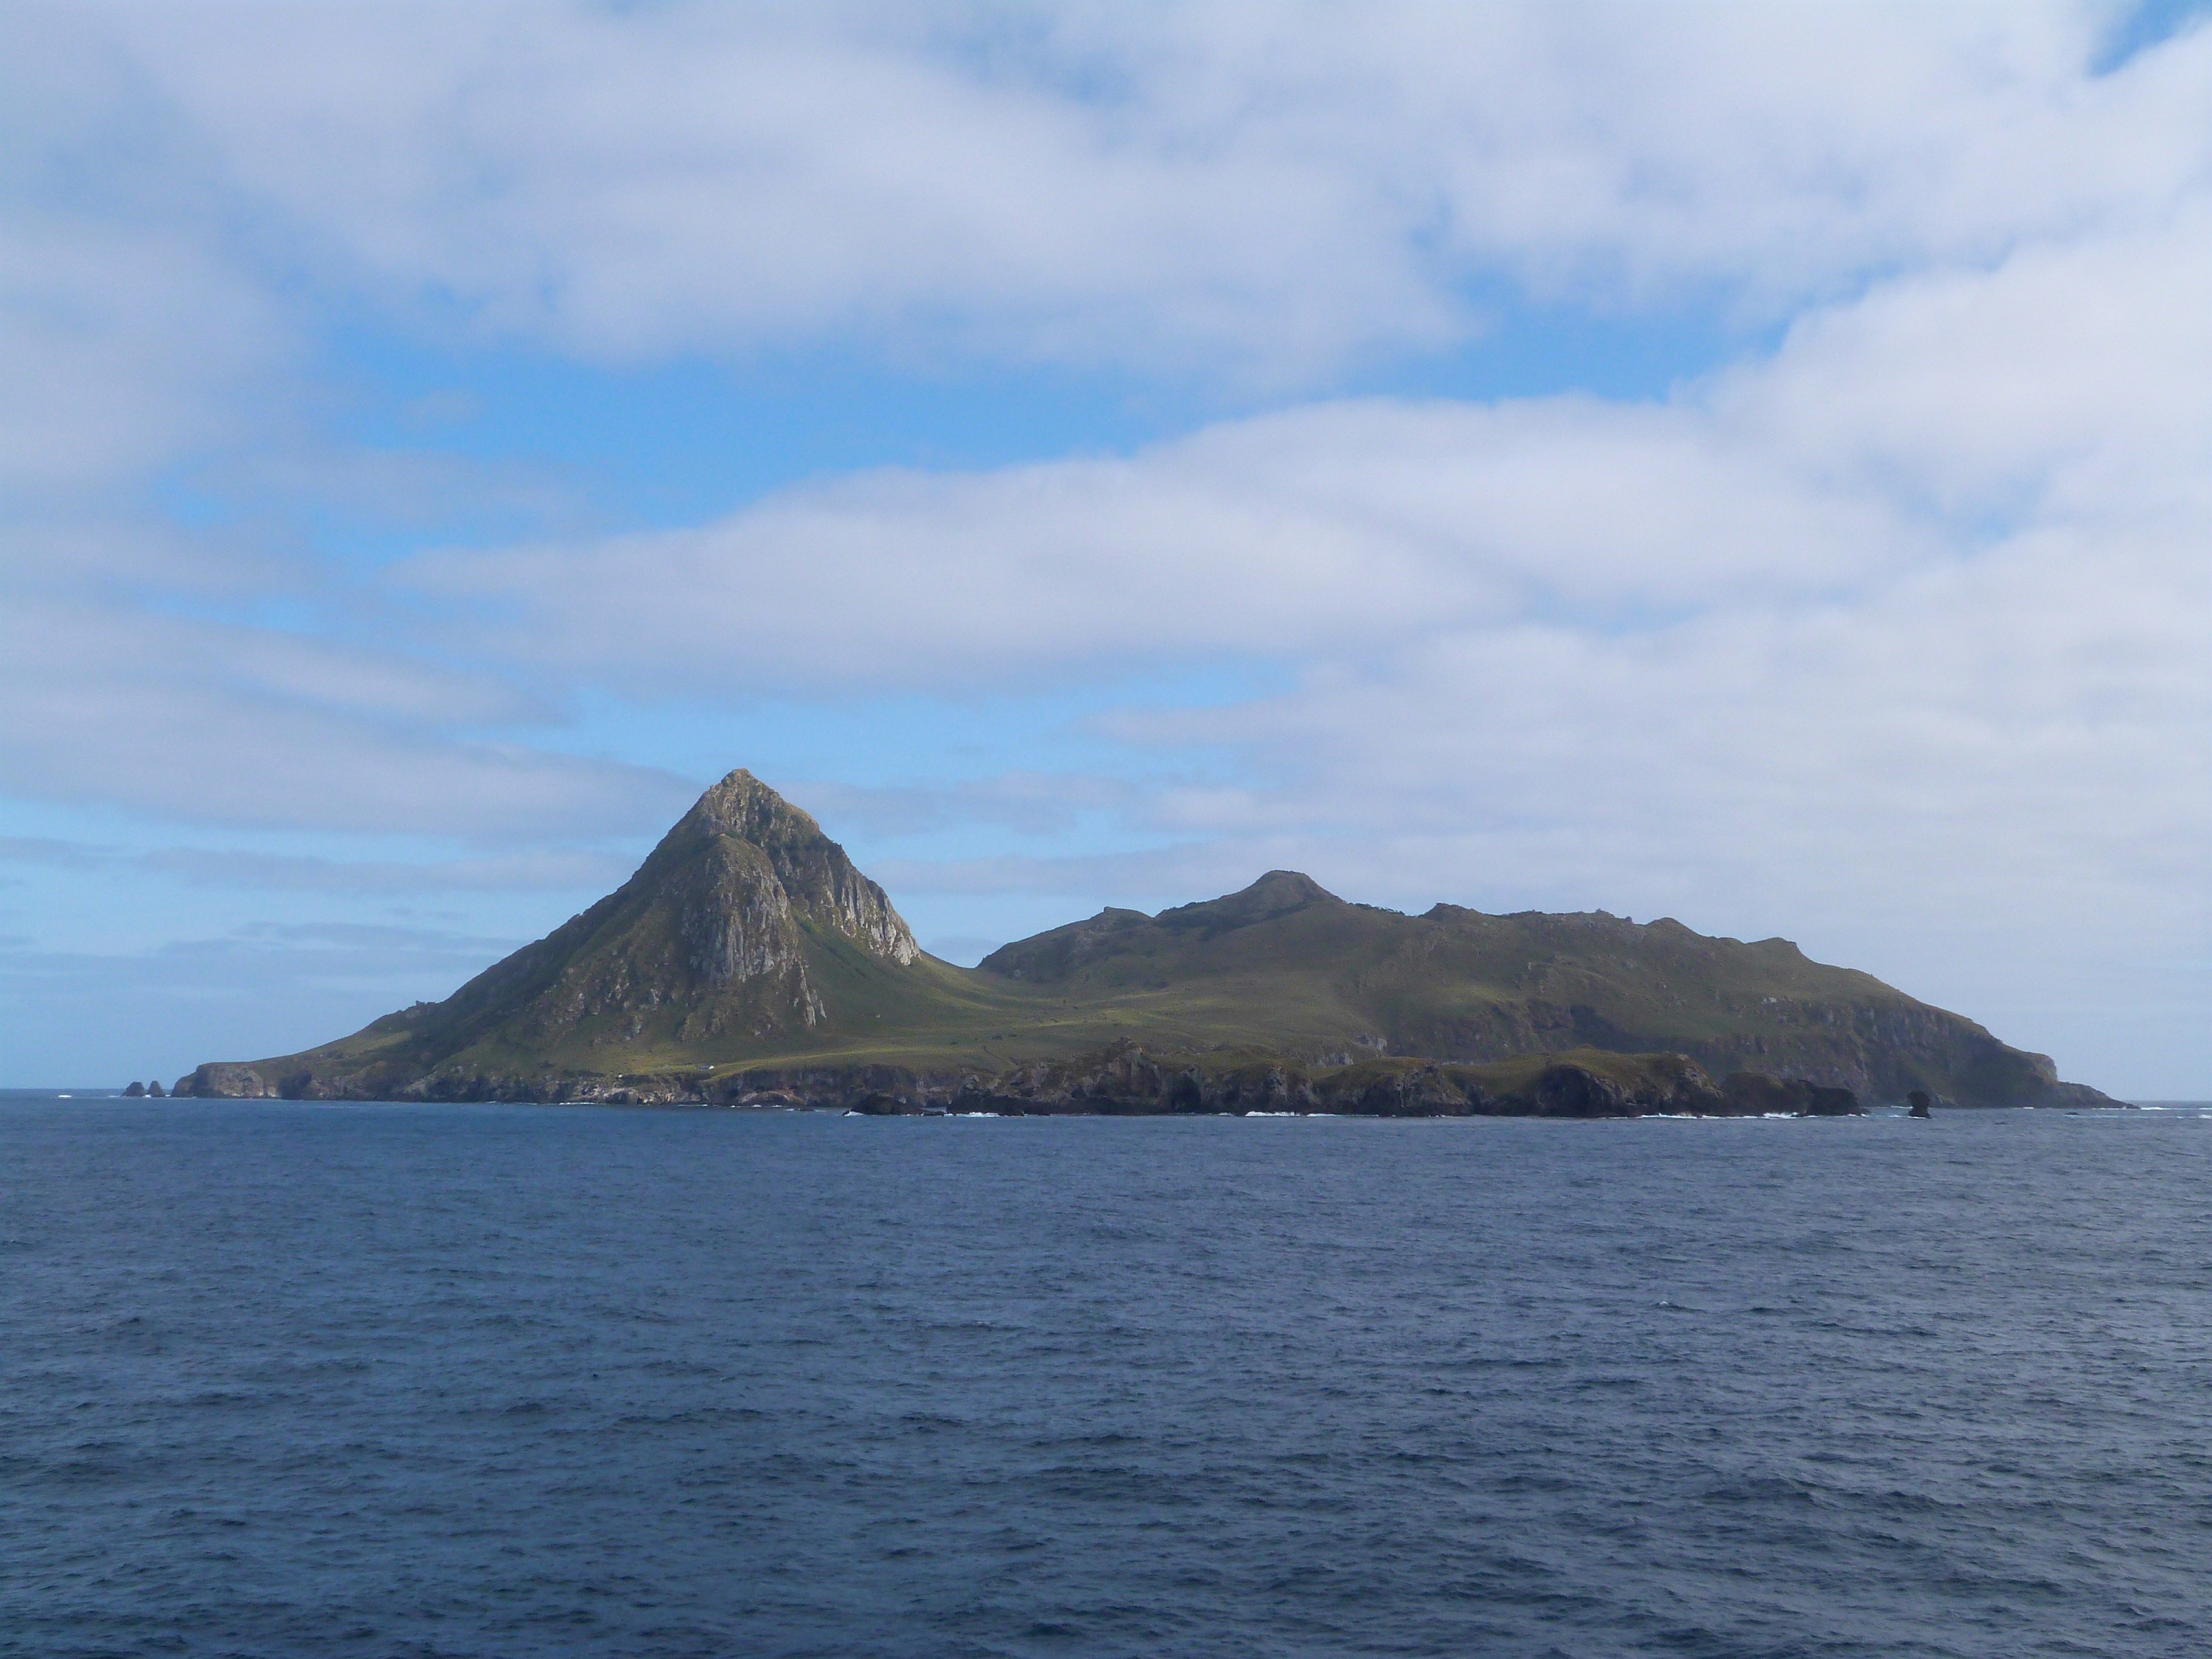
749 961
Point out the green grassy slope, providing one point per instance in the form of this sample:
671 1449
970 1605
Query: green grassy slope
748 942
1286 965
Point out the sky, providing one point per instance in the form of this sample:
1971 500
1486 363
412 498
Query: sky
1747 462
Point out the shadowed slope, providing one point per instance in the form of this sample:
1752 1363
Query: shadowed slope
725 939
1332 982
748 940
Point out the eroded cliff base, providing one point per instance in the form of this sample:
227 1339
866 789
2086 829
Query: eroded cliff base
1123 1079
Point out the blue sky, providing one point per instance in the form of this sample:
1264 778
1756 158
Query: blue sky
1739 462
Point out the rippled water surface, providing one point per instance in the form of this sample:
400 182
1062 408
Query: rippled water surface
288 1379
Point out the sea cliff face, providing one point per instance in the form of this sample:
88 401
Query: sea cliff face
1124 1080
749 946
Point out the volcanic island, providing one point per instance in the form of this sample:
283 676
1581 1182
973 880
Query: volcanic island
748 962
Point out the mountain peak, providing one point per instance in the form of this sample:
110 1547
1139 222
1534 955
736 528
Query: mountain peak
757 853
724 935
743 807
1275 894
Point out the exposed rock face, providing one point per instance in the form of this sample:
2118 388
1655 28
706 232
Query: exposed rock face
227 1080
1752 1091
711 935
136 1092
747 945
719 938
1458 985
818 881
1123 1079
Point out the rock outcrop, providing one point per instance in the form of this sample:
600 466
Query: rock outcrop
229 1081
1459 985
1124 1080
722 940
714 937
749 946
1749 1092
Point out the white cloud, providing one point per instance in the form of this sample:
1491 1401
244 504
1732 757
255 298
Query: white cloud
1901 433
1330 529
128 333
1270 188
120 348
204 722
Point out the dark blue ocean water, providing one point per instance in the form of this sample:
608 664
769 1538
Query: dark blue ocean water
288 1379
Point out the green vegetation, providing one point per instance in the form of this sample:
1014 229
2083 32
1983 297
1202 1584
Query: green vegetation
747 945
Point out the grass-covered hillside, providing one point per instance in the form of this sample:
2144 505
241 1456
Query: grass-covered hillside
748 949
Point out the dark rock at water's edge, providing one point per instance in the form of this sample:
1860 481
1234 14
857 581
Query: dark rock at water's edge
1920 1103
1752 1091
878 1105
136 1092
749 961
1124 1080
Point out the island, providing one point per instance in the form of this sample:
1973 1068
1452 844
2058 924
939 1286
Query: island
748 962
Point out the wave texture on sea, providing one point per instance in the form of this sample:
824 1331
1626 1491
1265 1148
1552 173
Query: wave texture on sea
291 1379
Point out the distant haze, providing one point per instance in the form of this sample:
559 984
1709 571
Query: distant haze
1751 464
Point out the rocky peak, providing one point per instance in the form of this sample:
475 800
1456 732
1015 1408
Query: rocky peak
743 806
1275 894
742 831
717 938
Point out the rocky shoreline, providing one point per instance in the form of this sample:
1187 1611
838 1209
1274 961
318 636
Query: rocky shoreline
748 962
1122 1081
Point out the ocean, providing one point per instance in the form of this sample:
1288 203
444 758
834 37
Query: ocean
292 1379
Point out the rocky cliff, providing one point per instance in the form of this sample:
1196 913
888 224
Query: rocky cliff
1459 985
748 958
722 939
